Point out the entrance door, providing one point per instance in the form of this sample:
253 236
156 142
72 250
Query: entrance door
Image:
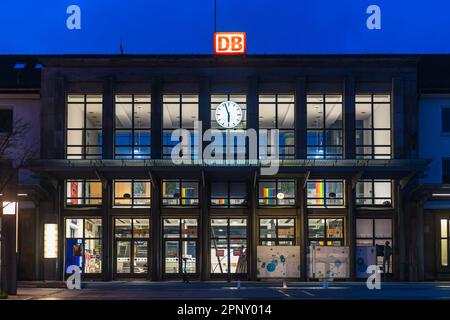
131 247
180 247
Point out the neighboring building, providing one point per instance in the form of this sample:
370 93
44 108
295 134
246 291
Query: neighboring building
353 171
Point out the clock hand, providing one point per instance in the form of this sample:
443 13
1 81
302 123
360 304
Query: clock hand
228 112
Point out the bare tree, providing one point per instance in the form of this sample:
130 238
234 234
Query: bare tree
16 150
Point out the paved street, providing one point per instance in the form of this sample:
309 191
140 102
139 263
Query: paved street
141 290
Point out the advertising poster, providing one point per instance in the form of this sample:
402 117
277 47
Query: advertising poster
328 262
365 256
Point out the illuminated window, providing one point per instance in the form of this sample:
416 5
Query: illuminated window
373 126
277 112
277 231
132 193
84 244
177 192
179 111
377 232
276 192
228 246
50 241
84 137
228 194
374 193
325 193
132 237
324 126
326 232
81 193
180 245
445 238
132 138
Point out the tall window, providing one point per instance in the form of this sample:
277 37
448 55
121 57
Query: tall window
132 193
276 192
179 111
176 192
376 232
83 193
277 112
326 232
235 136
180 245
131 240
374 193
445 238
132 137
277 231
84 137
83 244
325 193
228 246
324 126
373 126
228 194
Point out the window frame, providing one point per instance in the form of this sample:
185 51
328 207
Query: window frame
132 194
277 238
373 198
83 198
325 239
169 146
290 155
326 198
9 109
372 129
83 241
324 129
84 130
278 190
228 199
133 155
180 199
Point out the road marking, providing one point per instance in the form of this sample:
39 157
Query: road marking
308 293
284 293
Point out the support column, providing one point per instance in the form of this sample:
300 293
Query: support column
252 110
300 119
302 229
398 118
351 225
349 118
156 242
400 234
107 244
420 241
58 131
10 253
108 118
157 106
205 117
252 229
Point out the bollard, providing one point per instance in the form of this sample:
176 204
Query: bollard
285 285
238 284
325 283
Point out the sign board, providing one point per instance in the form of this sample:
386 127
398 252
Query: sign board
230 43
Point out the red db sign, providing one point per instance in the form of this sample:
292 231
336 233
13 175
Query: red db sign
230 43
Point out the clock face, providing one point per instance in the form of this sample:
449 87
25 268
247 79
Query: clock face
228 114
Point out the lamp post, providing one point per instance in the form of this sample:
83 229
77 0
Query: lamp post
9 249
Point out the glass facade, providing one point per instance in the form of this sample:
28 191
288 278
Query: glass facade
228 246
180 192
132 193
132 129
373 126
83 244
324 126
276 192
228 194
374 193
326 232
83 193
277 231
84 136
325 193
277 112
179 112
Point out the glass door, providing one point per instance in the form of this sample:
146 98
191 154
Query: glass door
180 247
131 247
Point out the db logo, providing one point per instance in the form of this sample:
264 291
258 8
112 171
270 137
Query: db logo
229 43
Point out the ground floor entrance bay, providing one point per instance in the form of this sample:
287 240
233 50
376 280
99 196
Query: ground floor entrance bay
231 247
